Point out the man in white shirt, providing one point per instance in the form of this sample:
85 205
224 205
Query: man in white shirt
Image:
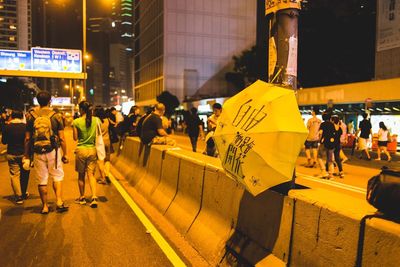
312 141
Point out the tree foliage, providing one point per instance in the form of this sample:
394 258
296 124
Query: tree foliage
245 69
247 65
15 93
170 101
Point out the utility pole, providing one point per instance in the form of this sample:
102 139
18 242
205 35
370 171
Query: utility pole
83 94
282 52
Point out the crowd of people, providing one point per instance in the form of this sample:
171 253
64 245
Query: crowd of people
37 147
326 139
36 143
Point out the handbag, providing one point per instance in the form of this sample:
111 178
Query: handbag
100 148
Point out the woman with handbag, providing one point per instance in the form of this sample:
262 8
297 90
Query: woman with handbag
104 165
86 132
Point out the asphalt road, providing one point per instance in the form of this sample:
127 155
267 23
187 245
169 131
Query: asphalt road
110 235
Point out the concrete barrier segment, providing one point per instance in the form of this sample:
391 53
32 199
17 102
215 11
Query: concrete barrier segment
326 228
264 226
152 176
187 203
218 216
167 189
381 243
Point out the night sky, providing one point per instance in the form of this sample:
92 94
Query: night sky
336 38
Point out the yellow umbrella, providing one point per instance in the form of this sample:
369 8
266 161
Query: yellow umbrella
259 136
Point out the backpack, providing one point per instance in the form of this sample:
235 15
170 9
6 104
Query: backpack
383 191
43 138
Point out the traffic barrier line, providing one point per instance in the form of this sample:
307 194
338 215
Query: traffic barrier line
333 183
150 228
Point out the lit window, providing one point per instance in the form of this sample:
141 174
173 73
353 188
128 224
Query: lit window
12 27
11 38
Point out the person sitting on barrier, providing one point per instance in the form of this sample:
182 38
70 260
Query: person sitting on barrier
211 149
152 131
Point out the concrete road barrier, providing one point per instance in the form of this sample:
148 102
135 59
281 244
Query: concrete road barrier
151 178
187 203
167 189
228 226
218 216
381 243
326 228
264 226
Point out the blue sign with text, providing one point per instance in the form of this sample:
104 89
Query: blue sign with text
15 60
57 60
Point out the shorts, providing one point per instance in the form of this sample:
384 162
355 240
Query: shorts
44 167
362 143
382 143
85 159
311 144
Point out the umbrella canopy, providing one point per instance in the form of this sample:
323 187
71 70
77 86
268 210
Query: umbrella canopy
259 136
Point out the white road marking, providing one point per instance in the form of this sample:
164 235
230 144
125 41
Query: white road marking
355 189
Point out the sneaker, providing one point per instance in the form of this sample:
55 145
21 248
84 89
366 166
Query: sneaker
19 200
341 174
378 159
80 200
93 203
101 181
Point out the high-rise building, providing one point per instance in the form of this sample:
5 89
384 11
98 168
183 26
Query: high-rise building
15 24
121 51
122 16
120 85
186 47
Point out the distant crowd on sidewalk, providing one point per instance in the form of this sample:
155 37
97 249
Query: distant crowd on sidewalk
37 147
326 139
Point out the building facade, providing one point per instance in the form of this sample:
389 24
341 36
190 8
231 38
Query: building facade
186 47
15 24
387 57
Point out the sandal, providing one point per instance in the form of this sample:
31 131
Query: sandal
61 208
44 211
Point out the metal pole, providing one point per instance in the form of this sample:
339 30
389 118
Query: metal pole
283 30
84 48
72 91
44 36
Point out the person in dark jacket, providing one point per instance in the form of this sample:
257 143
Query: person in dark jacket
14 138
194 127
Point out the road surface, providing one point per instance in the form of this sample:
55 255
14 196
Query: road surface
110 235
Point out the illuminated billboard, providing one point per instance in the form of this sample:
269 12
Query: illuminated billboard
42 59
15 60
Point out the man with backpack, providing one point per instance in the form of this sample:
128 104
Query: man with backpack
44 138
